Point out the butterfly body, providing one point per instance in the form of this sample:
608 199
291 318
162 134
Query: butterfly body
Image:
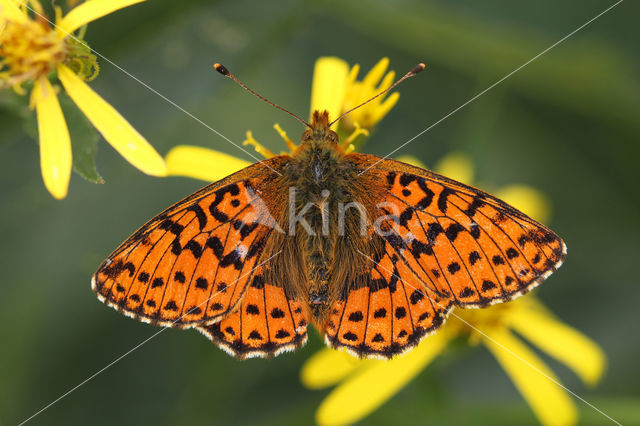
374 252
322 184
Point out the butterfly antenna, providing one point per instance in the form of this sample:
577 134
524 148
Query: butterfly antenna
224 71
411 73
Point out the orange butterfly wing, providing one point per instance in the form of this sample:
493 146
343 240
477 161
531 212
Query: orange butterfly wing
445 244
191 264
387 316
266 324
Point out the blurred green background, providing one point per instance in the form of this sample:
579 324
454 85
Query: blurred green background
566 124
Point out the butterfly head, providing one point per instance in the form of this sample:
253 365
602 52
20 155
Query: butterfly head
319 130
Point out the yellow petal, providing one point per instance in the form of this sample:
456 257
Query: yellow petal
375 74
373 384
114 128
89 11
528 199
387 81
353 74
380 111
329 85
55 144
10 11
562 342
410 159
550 402
458 166
327 367
202 163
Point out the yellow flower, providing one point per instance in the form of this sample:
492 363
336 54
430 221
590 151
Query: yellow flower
335 88
364 385
31 48
358 91
329 86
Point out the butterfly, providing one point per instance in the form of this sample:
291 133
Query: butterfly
373 252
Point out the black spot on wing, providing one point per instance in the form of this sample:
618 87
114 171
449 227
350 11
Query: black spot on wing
428 195
474 256
257 281
453 230
406 179
356 316
380 313
215 244
255 335
281 334
442 199
277 313
474 206
391 178
202 283
171 226
202 217
400 312
405 216
433 231
194 247
233 258
416 296
252 309
350 336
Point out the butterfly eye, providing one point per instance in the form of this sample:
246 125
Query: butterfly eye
306 136
332 137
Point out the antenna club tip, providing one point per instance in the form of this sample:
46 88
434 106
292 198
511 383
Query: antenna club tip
221 69
421 66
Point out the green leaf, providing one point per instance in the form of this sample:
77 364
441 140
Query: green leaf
84 141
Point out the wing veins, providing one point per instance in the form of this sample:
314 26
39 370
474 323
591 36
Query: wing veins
450 243
146 291
138 268
504 255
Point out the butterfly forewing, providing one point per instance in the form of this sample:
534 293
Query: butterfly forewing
482 249
191 264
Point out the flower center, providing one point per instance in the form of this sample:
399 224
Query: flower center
28 51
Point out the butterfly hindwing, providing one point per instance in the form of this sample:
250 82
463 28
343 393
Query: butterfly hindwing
191 263
266 324
390 314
